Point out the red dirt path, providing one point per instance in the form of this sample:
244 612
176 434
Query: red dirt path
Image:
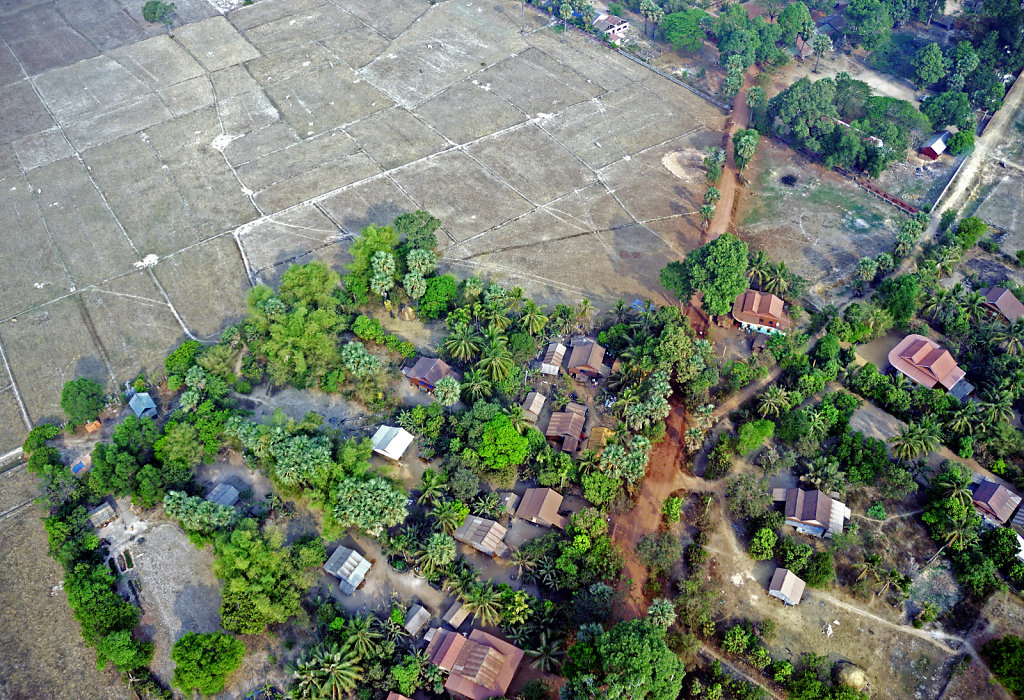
663 477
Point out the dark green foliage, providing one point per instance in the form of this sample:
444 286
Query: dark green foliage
204 661
122 650
719 459
793 554
81 400
71 537
38 436
91 595
179 362
659 552
684 29
948 109
1006 658
762 544
869 22
1000 545
441 293
961 142
419 229
156 11
969 231
792 426
820 570
898 296
864 459
718 269
631 657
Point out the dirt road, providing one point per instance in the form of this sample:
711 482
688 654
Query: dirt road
663 477
727 185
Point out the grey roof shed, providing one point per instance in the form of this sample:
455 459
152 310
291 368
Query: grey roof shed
142 405
349 567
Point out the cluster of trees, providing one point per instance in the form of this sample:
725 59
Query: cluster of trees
203 661
876 130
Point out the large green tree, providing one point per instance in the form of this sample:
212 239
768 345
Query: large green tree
795 21
204 661
370 504
929 65
717 269
684 30
81 400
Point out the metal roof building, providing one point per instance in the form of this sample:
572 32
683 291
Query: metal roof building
391 442
102 514
142 405
483 535
349 567
540 506
415 619
786 586
224 494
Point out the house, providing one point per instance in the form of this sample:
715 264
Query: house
761 313
786 586
349 567
143 406
483 535
944 21
610 24
803 49
509 501
586 358
551 364
598 438
532 405
102 514
994 501
540 506
812 512
456 615
479 667
391 442
415 619
935 146
928 364
567 426
225 494
1018 521
1001 303
833 25
427 371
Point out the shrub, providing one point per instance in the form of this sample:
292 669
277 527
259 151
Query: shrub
820 570
672 509
204 661
737 639
762 546
754 434
719 459
876 511
659 552
961 142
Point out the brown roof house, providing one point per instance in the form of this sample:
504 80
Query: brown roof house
786 586
760 312
102 514
598 439
1000 302
428 370
395 696
551 363
479 667
540 506
483 535
812 512
994 501
533 405
928 364
587 359
456 615
567 426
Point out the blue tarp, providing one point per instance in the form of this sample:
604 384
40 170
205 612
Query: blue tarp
78 468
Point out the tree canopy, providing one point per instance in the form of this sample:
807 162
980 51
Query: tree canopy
204 661
718 269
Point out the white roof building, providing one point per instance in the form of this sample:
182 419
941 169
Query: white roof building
349 567
391 442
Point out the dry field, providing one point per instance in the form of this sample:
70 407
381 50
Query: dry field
151 179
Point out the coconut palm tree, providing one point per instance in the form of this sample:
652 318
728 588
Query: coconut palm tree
996 406
584 312
949 486
517 418
476 386
620 311
773 402
525 562
515 298
331 671
362 634
437 553
895 582
496 362
496 315
449 515
460 580
961 534
871 565
463 343
963 420
484 601
973 304
546 653
935 302
1013 336
433 485
533 319
587 461
777 281
759 267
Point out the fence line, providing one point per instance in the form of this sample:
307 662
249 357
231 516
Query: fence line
699 93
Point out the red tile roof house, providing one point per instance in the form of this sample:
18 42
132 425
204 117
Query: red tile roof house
812 512
995 501
479 667
927 363
427 371
761 313
1001 303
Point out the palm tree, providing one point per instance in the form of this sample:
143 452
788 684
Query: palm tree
460 580
584 311
463 343
533 319
546 653
433 486
773 402
759 267
706 213
951 487
962 421
973 304
496 315
620 311
693 439
362 635
525 562
894 581
996 406
484 601
817 423
515 299
496 363
449 515
778 279
662 612
935 302
587 461
488 505
871 565
517 418
911 443
476 386
823 474
436 554
1013 336
331 671
705 414
961 534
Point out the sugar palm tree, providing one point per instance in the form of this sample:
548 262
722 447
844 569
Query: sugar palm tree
496 362
693 439
476 386
463 343
433 485
488 505
517 418
362 634
437 553
759 267
546 653
331 671
773 402
705 415
706 213
484 601
662 612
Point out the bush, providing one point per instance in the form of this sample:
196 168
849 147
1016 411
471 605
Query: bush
672 509
754 434
961 142
1006 656
38 436
969 230
719 459
820 570
204 661
876 511
659 552
762 546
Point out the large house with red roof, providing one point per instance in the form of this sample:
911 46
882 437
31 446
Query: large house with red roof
479 667
929 364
